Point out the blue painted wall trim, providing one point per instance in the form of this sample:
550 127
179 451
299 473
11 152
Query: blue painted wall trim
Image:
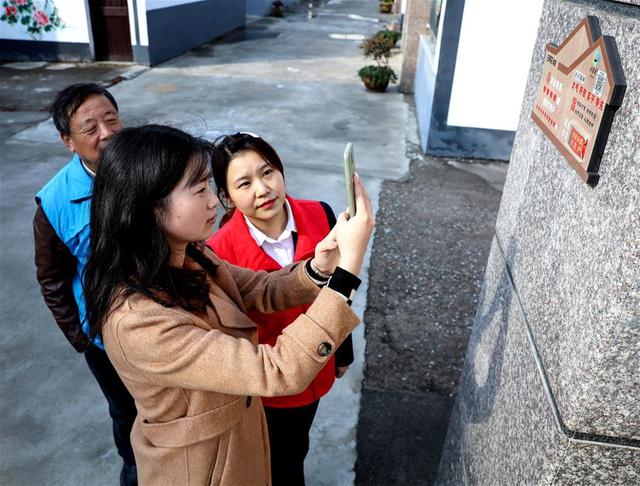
24 50
198 23
141 55
469 142
433 96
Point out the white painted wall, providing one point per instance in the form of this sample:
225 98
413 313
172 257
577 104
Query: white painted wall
72 12
492 65
132 23
433 51
141 6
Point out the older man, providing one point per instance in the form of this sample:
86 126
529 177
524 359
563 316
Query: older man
86 116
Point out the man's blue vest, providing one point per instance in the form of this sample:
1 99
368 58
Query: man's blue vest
66 201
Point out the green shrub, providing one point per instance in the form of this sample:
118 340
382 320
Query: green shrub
377 47
389 34
378 74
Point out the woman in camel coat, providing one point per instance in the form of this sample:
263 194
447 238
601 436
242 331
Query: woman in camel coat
173 316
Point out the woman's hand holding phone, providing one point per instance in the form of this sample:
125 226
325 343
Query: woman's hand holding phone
347 242
327 254
353 234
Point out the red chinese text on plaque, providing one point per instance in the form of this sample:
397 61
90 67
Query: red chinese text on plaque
581 86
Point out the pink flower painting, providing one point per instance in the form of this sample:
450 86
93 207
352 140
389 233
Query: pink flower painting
41 18
36 16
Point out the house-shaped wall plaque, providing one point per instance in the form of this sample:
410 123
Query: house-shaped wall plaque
581 87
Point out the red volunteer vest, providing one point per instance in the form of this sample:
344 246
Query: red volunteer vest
234 243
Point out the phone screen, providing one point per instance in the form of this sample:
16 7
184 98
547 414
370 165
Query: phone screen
349 169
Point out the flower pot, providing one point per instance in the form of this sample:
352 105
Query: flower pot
370 84
385 7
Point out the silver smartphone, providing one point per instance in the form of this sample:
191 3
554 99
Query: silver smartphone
349 169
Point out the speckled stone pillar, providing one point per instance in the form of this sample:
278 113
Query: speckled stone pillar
550 391
414 25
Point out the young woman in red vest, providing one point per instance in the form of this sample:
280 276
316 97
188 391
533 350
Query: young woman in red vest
265 229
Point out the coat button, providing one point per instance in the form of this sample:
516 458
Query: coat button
248 402
324 349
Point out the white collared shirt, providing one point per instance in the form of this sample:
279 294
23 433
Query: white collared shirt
91 173
281 250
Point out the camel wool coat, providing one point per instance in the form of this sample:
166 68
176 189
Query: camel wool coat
196 379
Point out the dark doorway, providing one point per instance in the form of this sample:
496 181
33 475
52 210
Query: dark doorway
110 26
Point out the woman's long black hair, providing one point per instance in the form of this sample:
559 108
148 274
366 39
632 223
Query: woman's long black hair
129 252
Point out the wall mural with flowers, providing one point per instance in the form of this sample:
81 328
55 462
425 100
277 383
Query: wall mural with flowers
34 16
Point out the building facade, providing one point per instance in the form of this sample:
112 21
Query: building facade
471 73
141 31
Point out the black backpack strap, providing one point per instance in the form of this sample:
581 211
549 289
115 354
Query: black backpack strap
331 217
344 353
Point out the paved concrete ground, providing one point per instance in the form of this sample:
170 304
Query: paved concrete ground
291 80
27 89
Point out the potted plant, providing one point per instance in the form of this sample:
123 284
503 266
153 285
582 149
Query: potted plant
377 77
385 6
394 36
277 9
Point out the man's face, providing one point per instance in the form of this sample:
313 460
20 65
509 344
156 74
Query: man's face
91 127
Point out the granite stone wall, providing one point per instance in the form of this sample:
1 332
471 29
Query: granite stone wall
550 392
414 24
